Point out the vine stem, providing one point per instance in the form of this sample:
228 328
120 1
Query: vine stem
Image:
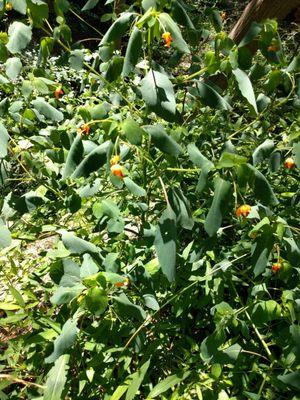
18 380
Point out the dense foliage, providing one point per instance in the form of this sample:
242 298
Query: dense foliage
149 231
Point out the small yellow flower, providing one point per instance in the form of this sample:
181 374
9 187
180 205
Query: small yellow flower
167 39
243 210
114 160
8 6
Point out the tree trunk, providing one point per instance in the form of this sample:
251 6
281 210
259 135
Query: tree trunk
258 10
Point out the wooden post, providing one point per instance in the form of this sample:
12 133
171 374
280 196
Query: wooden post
258 10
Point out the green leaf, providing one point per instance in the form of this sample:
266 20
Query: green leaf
64 341
133 51
133 132
4 136
133 188
47 110
118 28
73 158
71 275
170 26
38 10
158 94
230 160
210 97
118 393
252 33
127 308
261 249
93 161
19 36
106 207
5 237
76 59
88 267
262 151
180 15
167 384
13 67
89 5
3 52
162 140
136 381
77 245
16 294
181 206
65 295
245 87
201 161
265 311
96 300
19 5
296 152
165 243
219 205
56 379
292 379
262 189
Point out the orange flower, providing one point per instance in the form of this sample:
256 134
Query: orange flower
8 6
289 163
167 38
223 15
114 160
276 267
116 170
126 282
85 129
243 210
58 92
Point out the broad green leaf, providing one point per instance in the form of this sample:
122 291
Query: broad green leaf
13 67
73 158
96 300
146 4
209 346
89 5
262 151
261 250
71 276
5 237
16 294
180 15
210 97
181 207
19 36
38 10
158 94
76 59
245 87
118 28
167 384
133 132
93 161
19 5
27 203
88 267
219 205
118 393
291 379
230 160
4 136
151 302
262 189
64 341
128 309
201 161
162 140
133 51
296 152
165 243
136 381
77 245
265 311
293 250
133 188
56 379
3 52
170 25
106 207
47 110
252 33
64 295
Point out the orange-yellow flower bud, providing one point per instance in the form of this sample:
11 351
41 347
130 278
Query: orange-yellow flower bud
289 163
126 282
243 210
117 171
114 160
58 92
223 15
276 267
167 39
8 6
